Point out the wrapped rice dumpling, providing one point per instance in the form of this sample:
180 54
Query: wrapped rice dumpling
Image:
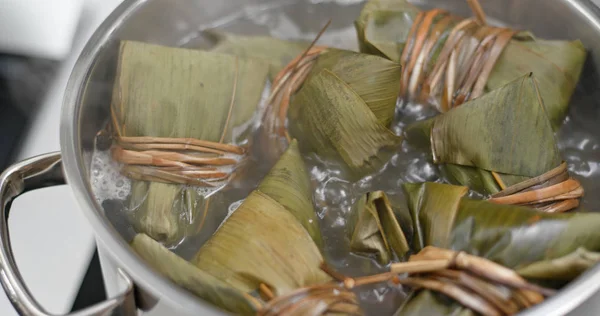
173 115
366 87
449 60
548 248
262 254
542 247
502 144
343 109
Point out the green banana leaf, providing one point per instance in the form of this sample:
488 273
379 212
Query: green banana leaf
281 251
373 229
193 279
173 92
330 118
555 247
383 27
557 66
276 52
262 242
266 240
506 131
288 183
373 78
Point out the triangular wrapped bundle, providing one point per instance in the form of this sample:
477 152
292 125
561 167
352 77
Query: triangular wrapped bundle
262 254
540 247
173 115
448 60
502 144
342 111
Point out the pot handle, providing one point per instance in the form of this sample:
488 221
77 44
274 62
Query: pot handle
35 173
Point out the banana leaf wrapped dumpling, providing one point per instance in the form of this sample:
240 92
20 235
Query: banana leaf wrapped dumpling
174 113
343 109
267 249
502 144
550 248
449 232
448 60
302 94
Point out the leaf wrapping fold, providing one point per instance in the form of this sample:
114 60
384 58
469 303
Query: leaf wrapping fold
372 78
373 228
506 131
262 243
433 212
265 239
288 184
557 66
328 117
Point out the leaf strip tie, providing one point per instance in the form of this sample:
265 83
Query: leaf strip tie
287 82
553 191
477 283
420 38
465 61
266 291
332 296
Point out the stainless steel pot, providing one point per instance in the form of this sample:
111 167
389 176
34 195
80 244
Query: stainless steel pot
132 285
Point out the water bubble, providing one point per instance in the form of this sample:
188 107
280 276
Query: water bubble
339 222
107 182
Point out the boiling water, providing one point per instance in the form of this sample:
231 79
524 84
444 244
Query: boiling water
333 194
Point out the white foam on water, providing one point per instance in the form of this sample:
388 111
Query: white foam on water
106 180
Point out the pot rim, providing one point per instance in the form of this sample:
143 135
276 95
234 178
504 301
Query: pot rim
566 300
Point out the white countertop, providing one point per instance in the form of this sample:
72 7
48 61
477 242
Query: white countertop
52 241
